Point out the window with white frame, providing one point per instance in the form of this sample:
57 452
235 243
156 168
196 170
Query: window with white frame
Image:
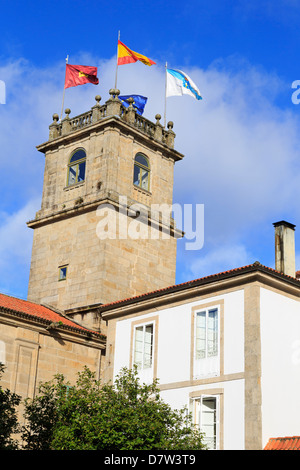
143 346
206 347
206 414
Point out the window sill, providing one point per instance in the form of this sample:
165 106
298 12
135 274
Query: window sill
141 190
73 186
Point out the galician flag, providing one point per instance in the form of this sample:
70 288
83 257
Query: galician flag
179 83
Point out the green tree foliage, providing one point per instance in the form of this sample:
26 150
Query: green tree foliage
126 415
8 417
41 414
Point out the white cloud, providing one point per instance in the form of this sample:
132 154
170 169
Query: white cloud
221 259
15 249
241 153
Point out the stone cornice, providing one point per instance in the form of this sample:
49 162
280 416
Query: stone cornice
112 198
112 122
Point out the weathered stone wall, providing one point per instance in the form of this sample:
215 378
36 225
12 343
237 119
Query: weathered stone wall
109 168
99 271
32 354
65 228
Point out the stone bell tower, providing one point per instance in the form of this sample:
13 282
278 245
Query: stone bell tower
100 235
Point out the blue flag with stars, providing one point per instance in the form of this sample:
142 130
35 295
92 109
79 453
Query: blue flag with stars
139 102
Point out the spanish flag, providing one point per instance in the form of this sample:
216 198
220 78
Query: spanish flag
127 56
80 74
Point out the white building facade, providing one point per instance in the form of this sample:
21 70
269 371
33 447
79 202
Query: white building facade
226 347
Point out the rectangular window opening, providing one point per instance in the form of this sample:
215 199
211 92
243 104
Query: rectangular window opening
143 346
207 333
207 419
62 273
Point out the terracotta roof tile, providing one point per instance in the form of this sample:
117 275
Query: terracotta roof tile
283 443
37 311
209 278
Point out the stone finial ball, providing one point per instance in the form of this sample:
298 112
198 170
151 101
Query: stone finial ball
158 117
170 125
114 92
98 98
55 117
68 111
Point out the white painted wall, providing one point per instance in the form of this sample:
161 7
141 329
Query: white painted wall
174 354
174 344
233 420
174 338
234 415
234 332
280 349
122 345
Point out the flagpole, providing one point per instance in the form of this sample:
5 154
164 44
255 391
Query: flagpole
117 61
63 100
165 117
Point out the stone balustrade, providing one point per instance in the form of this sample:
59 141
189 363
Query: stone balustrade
112 107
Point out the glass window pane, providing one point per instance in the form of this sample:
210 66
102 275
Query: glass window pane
143 347
72 174
138 359
136 175
62 273
209 422
212 333
148 334
81 171
138 347
200 335
144 182
148 346
139 339
142 160
79 155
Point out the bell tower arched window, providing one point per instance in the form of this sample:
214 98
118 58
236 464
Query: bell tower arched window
141 174
76 167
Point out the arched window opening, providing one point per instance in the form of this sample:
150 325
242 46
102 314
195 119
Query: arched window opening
76 167
141 174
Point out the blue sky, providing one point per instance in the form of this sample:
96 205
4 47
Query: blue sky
241 142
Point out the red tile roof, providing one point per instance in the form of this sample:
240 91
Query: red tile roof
206 279
283 443
40 312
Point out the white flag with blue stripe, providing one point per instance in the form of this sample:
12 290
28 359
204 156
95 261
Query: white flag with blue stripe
179 83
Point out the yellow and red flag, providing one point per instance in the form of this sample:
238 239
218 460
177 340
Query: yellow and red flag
127 56
80 74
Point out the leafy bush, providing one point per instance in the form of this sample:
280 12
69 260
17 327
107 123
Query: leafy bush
8 417
125 415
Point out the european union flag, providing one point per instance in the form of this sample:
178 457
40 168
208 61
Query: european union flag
139 102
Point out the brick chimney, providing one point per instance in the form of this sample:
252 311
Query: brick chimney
285 248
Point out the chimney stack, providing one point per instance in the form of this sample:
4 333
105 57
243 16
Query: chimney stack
285 248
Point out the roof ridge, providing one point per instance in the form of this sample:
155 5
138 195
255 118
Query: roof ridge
42 313
194 281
